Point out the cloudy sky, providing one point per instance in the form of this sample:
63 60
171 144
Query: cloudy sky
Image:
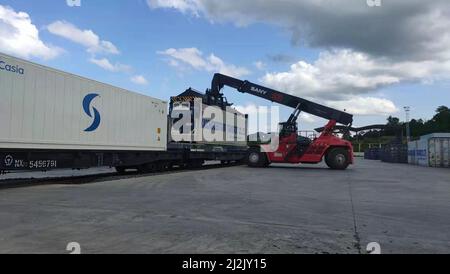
371 61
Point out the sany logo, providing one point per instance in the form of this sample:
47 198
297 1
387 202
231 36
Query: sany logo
258 90
374 3
87 101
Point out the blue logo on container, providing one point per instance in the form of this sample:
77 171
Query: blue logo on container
87 101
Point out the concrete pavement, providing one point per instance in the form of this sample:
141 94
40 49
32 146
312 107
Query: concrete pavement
281 209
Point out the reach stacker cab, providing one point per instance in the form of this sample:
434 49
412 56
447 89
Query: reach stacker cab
292 148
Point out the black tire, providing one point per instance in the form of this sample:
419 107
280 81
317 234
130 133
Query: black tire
121 169
338 159
147 168
195 164
160 166
255 158
327 161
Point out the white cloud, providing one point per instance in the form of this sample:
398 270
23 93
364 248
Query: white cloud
192 57
340 73
305 117
86 38
260 65
93 44
399 29
335 75
182 5
139 80
359 105
20 37
107 65
344 78
403 41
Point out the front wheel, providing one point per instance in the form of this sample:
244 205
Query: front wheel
338 159
255 158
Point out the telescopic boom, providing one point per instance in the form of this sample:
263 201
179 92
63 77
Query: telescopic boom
302 105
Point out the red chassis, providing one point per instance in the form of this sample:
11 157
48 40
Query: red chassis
338 153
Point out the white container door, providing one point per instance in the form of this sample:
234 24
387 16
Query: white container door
432 153
439 149
446 152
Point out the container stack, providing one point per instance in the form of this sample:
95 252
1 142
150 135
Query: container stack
394 153
372 153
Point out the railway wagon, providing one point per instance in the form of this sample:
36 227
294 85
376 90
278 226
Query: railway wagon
51 119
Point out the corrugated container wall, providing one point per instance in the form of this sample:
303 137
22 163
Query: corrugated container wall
431 150
230 131
42 108
439 152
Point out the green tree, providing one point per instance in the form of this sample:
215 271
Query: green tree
441 121
442 109
393 121
393 126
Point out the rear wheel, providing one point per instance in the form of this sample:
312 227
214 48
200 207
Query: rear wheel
195 164
327 161
120 169
147 168
338 159
160 167
255 158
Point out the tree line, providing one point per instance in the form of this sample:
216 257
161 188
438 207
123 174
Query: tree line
418 127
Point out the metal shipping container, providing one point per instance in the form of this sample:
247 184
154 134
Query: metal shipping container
372 153
431 150
394 153
439 152
418 152
43 108
231 127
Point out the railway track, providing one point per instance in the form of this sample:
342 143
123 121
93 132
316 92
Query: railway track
97 178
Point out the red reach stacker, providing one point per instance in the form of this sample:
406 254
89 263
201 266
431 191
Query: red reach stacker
292 148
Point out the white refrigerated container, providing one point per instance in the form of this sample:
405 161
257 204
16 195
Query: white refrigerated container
230 129
43 108
418 152
439 151
431 150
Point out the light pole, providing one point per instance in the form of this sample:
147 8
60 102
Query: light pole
408 132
